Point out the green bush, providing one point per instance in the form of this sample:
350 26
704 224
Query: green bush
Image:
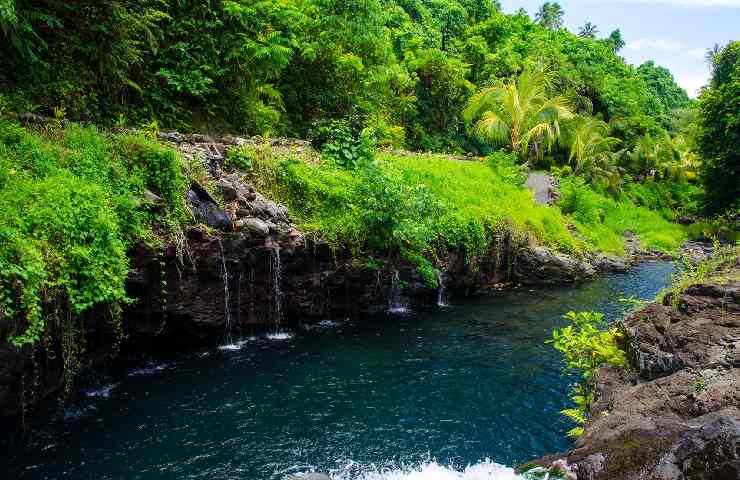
340 143
602 220
240 158
70 206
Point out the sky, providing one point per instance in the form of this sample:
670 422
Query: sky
674 33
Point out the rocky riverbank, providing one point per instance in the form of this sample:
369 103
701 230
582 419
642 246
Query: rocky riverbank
674 414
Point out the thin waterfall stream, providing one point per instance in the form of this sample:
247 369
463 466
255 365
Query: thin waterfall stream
227 309
276 279
395 303
441 290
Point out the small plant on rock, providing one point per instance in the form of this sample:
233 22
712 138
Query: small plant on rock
586 346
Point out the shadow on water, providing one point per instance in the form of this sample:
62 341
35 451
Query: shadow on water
461 384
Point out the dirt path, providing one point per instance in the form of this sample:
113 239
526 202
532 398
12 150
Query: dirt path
541 185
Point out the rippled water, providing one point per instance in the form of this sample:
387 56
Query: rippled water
421 396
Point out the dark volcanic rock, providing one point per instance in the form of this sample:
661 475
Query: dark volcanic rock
539 265
608 263
205 209
675 415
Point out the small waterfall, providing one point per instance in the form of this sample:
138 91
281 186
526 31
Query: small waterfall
276 278
395 305
239 298
227 312
441 290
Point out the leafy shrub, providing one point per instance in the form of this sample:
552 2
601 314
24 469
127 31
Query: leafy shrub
586 346
240 158
507 167
602 220
69 211
345 146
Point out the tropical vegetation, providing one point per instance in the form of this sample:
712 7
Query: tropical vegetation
362 79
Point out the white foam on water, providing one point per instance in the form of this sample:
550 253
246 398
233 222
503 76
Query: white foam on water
430 470
328 324
150 369
399 310
279 336
231 347
101 392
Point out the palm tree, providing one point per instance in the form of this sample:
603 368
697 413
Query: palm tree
590 143
588 30
710 56
520 113
550 15
615 41
646 155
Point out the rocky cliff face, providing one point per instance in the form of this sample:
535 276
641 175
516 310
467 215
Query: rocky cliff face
674 415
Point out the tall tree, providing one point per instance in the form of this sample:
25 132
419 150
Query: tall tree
615 40
588 30
550 15
520 113
719 135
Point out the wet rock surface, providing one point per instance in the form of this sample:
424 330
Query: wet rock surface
674 415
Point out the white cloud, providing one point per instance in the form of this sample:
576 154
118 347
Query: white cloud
655 44
692 83
697 53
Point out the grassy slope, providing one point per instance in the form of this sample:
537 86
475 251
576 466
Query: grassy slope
475 199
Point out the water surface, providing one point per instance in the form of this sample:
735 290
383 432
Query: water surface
457 385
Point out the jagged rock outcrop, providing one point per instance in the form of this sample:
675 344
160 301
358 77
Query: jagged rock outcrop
675 415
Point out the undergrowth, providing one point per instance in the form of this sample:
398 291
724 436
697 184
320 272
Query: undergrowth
420 206
71 204
720 266
603 219
587 344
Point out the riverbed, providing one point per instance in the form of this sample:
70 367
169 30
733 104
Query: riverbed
470 384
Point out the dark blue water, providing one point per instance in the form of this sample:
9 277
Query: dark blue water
459 385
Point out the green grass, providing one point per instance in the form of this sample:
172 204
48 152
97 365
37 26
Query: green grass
423 205
602 220
477 199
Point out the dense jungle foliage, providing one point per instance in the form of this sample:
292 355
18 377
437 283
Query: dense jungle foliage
357 77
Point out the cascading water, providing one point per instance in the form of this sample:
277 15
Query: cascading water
395 305
276 278
441 290
227 312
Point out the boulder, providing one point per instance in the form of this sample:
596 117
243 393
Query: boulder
609 263
205 209
541 266
256 227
